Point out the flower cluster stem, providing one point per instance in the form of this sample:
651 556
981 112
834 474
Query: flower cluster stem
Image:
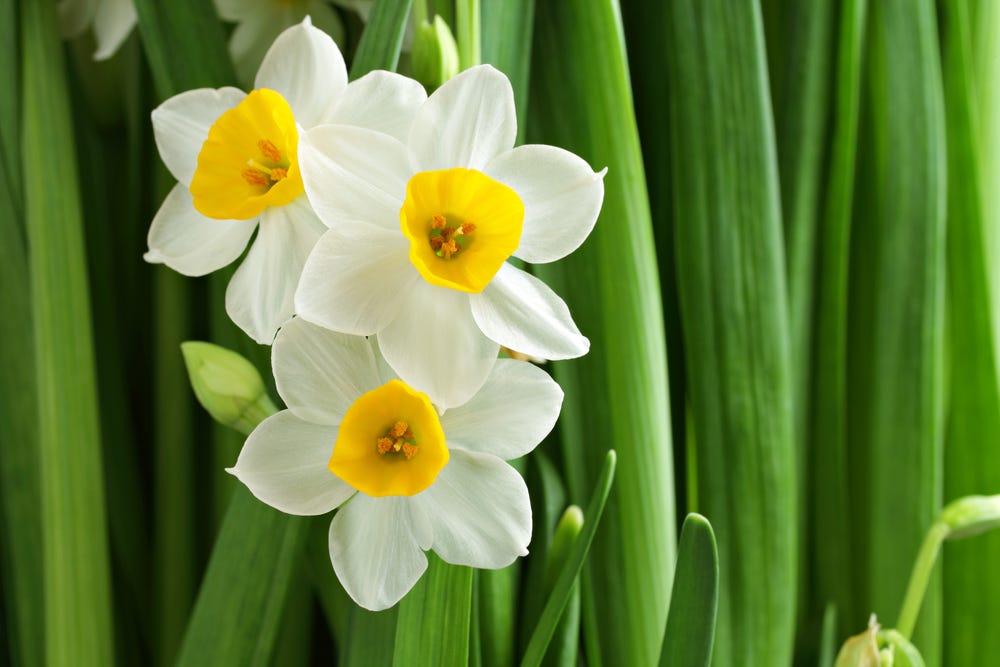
467 18
919 578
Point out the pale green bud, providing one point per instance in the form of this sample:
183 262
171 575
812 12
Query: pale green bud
434 56
878 648
227 385
970 516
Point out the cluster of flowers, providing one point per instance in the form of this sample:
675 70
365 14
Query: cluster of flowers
384 219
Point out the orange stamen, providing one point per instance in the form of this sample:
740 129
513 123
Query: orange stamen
254 177
409 450
399 429
278 173
384 445
438 222
467 228
269 150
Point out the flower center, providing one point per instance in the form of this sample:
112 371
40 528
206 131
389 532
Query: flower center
390 442
462 226
248 162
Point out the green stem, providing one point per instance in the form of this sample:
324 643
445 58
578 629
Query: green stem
419 12
921 574
467 19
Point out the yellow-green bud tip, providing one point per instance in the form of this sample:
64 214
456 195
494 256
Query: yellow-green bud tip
970 516
227 385
434 56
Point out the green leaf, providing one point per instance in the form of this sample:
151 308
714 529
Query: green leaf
618 393
564 646
897 300
566 581
687 641
78 624
382 39
731 278
507 32
434 617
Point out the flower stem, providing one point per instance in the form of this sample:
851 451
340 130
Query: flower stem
419 12
921 574
467 19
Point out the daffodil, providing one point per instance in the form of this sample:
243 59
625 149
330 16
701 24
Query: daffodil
112 21
235 157
408 476
420 233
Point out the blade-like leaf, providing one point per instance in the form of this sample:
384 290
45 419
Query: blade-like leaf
382 39
433 625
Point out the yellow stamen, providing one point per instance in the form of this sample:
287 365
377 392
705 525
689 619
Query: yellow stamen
446 247
269 150
255 177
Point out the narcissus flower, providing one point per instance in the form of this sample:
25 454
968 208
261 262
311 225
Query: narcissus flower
112 21
413 477
420 233
235 156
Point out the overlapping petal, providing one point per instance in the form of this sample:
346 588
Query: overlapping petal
509 415
284 464
466 122
479 511
261 294
356 280
190 243
319 373
375 548
180 126
562 198
353 173
435 344
306 67
522 313
382 101
113 21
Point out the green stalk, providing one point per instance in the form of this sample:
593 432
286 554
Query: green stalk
896 383
618 393
831 536
920 577
468 33
507 32
972 462
382 39
434 617
77 592
10 113
731 277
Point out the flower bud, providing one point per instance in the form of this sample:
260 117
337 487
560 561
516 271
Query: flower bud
434 56
970 516
227 385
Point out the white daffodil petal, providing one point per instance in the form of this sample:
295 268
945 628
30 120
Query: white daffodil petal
510 415
381 101
190 243
306 67
356 279
320 373
479 511
520 312
285 462
113 22
374 550
562 198
435 344
353 173
466 122
181 124
261 295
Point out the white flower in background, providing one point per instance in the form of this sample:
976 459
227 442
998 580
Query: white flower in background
112 21
235 157
413 478
258 23
420 233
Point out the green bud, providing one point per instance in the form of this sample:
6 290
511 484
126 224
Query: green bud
860 650
434 56
227 386
970 516
567 531
878 648
901 653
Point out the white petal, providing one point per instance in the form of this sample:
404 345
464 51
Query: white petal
466 122
374 550
510 415
353 173
113 22
306 67
520 312
320 373
562 198
479 511
284 464
181 124
74 16
261 295
188 242
435 345
381 101
356 279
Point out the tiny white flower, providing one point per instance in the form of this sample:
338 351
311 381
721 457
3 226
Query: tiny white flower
413 478
112 21
420 233
235 157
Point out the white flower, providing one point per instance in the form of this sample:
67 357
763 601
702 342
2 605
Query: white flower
412 479
235 157
112 21
258 22
419 235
